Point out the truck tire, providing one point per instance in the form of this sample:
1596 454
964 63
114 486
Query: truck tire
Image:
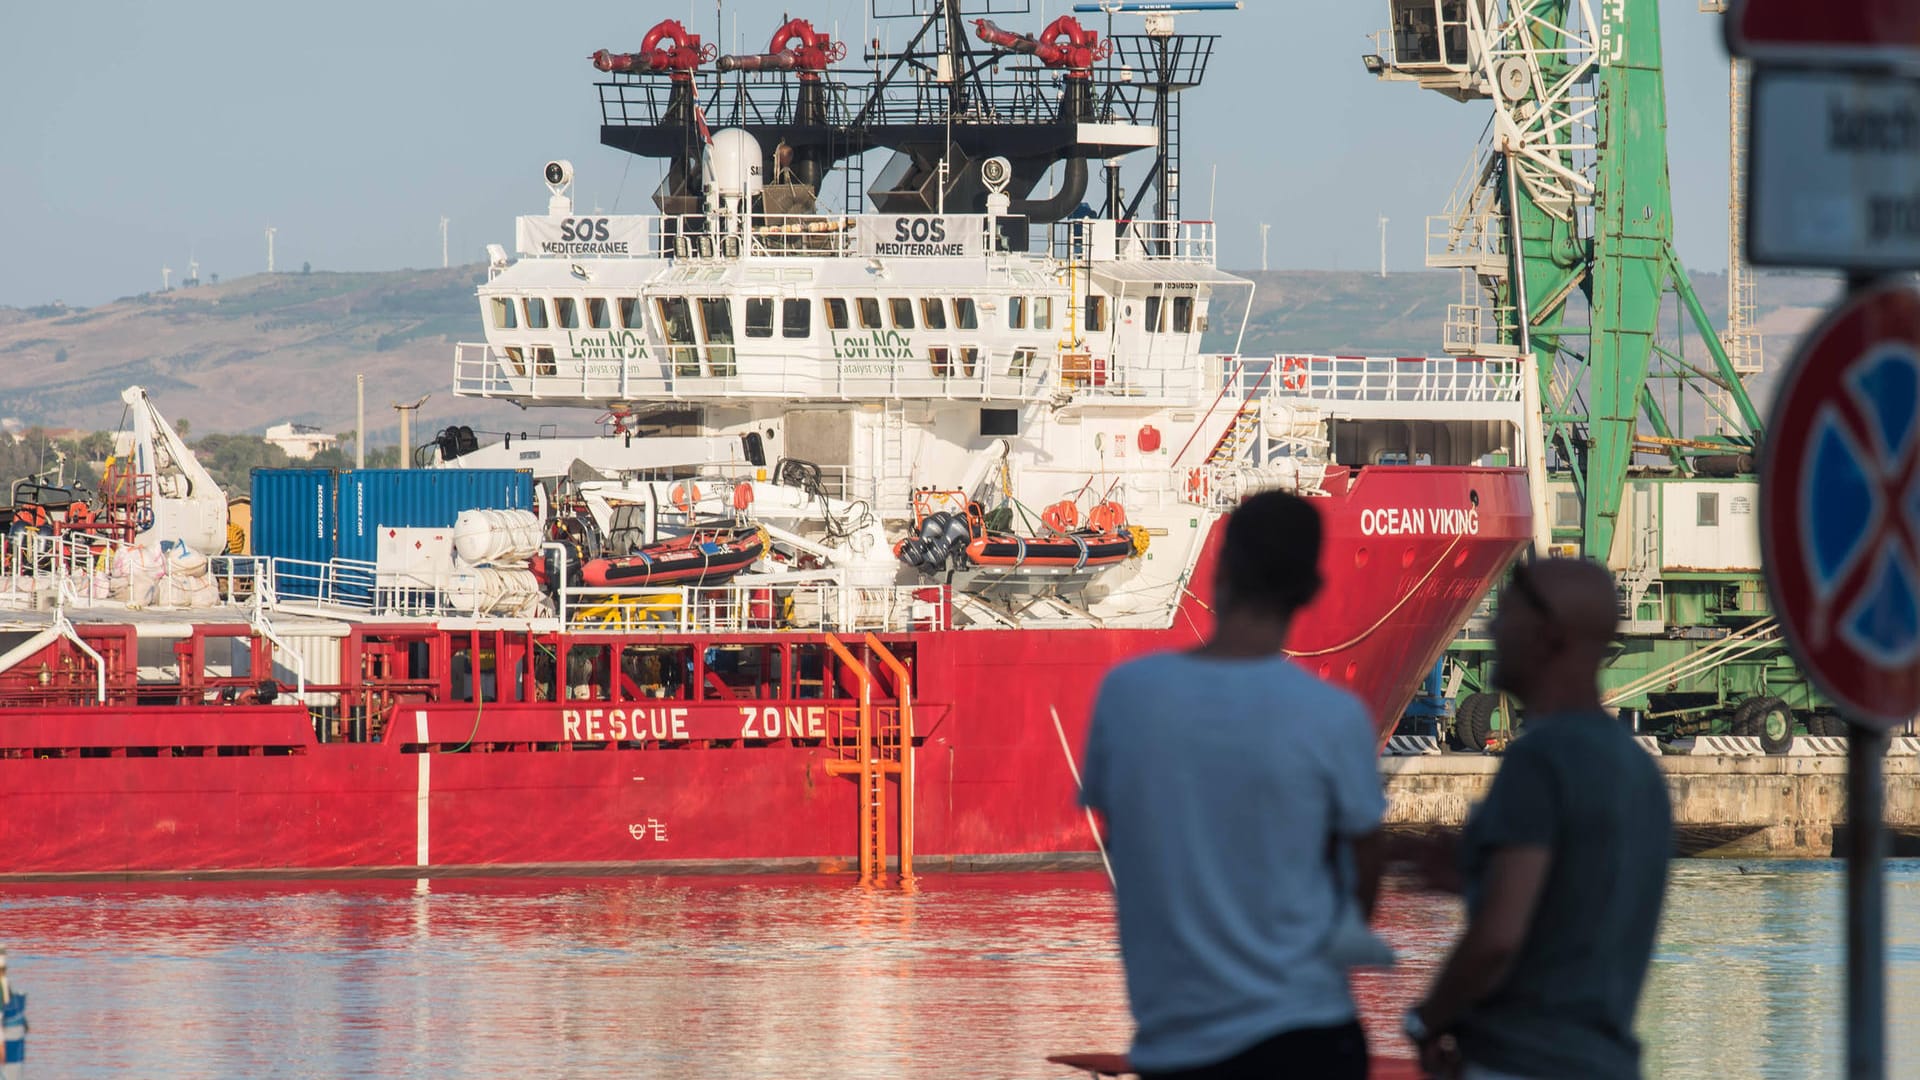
1473 722
1769 718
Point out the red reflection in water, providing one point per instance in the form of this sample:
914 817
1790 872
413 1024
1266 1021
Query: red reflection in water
976 975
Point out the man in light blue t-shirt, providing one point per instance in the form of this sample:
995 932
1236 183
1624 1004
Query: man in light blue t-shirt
1231 781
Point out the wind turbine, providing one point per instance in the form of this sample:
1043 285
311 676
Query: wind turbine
166 278
270 231
1264 227
1383 245
443 241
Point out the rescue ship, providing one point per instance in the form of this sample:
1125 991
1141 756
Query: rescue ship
953 449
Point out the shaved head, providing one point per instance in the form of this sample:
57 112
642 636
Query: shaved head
1553 629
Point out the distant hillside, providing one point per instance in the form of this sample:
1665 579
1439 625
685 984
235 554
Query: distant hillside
244 354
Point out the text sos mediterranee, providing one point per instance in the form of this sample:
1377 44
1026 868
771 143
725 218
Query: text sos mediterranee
583 236
918 237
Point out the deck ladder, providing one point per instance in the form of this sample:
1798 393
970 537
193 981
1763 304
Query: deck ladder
873 744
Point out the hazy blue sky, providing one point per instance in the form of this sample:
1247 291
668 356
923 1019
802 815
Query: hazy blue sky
137 134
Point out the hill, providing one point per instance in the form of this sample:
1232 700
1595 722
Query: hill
244 354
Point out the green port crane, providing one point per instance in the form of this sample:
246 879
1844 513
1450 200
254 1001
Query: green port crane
1562 227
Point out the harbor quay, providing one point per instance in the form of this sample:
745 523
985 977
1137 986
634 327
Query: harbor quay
1728 806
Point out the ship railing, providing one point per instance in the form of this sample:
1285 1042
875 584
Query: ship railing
336 583
1098 240
953 370
1378 379
820 602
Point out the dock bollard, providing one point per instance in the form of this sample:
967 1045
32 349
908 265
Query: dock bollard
13 1027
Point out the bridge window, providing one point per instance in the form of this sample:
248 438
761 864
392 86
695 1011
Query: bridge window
1016 313
1708 508
901 309
1153 325
597 313
543 360
870 312
937 358
759 317
796 318
1022 362
965 316
836 313
969 359
1096 314
1043 313
566 312
933 314
516 359
536 313
630 312
1183 314
676 320
716 314
503 314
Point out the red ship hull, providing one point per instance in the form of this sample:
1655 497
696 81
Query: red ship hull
451 786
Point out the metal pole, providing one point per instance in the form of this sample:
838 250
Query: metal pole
1866 905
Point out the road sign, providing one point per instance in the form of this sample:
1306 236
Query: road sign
1825 29
1835 169
1840 506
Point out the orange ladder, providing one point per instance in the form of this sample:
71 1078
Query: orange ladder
872 744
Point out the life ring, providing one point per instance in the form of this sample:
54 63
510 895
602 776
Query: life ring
1293 373
1062 516
684 495
1108 517
1197 485
143 517
742 495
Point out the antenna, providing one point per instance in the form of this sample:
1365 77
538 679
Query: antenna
1264 228
1383 245
443 241
270 231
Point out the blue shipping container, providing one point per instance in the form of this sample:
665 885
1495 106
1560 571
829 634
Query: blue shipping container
294 515
373 499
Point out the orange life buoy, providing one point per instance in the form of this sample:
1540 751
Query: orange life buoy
1108 517
742 495
684 495
1293 373
1061 516
1197 485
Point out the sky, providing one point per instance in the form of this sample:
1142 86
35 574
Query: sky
137 135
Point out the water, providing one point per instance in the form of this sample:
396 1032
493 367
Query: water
977 975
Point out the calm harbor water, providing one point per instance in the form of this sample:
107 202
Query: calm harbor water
976 976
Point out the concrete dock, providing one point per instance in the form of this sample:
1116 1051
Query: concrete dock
1772 807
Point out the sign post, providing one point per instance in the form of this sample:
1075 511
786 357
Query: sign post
1834 182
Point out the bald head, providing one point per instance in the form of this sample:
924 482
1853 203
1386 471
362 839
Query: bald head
1553 629
1580 599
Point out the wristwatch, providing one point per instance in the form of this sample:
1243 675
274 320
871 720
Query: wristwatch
1414 1027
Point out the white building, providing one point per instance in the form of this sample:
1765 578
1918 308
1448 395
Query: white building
300 441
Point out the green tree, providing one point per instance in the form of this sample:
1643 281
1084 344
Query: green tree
232 458
182 426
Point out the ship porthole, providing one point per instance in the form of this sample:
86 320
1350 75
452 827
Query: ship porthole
1406 558
1326 669
1359 557
1353 670
1460 558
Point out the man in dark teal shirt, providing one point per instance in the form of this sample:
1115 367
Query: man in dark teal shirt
1565 863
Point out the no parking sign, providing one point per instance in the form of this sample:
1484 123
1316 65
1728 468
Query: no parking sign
1840 505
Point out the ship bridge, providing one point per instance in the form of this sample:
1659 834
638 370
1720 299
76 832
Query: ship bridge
607 311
